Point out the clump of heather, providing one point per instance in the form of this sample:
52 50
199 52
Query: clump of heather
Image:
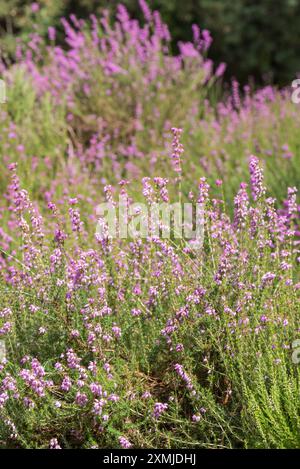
97 109
147 341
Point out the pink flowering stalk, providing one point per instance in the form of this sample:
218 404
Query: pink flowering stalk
256 177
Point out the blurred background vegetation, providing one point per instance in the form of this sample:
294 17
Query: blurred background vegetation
258 39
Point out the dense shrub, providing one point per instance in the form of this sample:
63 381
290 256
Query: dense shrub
258 39
150 343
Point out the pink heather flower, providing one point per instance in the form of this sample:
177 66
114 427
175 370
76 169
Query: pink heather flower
268 277
58 366
203 190
51 33
81 399
76 222
285 266
136 312
220 70
291 201
10 424
9 383
196 418
196 34
3 362
12 166
235 94
116 331
241 207
66 384
20 148
177 149
33 309
5 312
263 318
207 39
92 367
6 328
98 406
72 360
73 201
124 442
162 184
180 371
113 398
3 398
96 389
80 383
161 30
24 359
28 402
148 191
146 10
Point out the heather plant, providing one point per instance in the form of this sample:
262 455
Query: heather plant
235 26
